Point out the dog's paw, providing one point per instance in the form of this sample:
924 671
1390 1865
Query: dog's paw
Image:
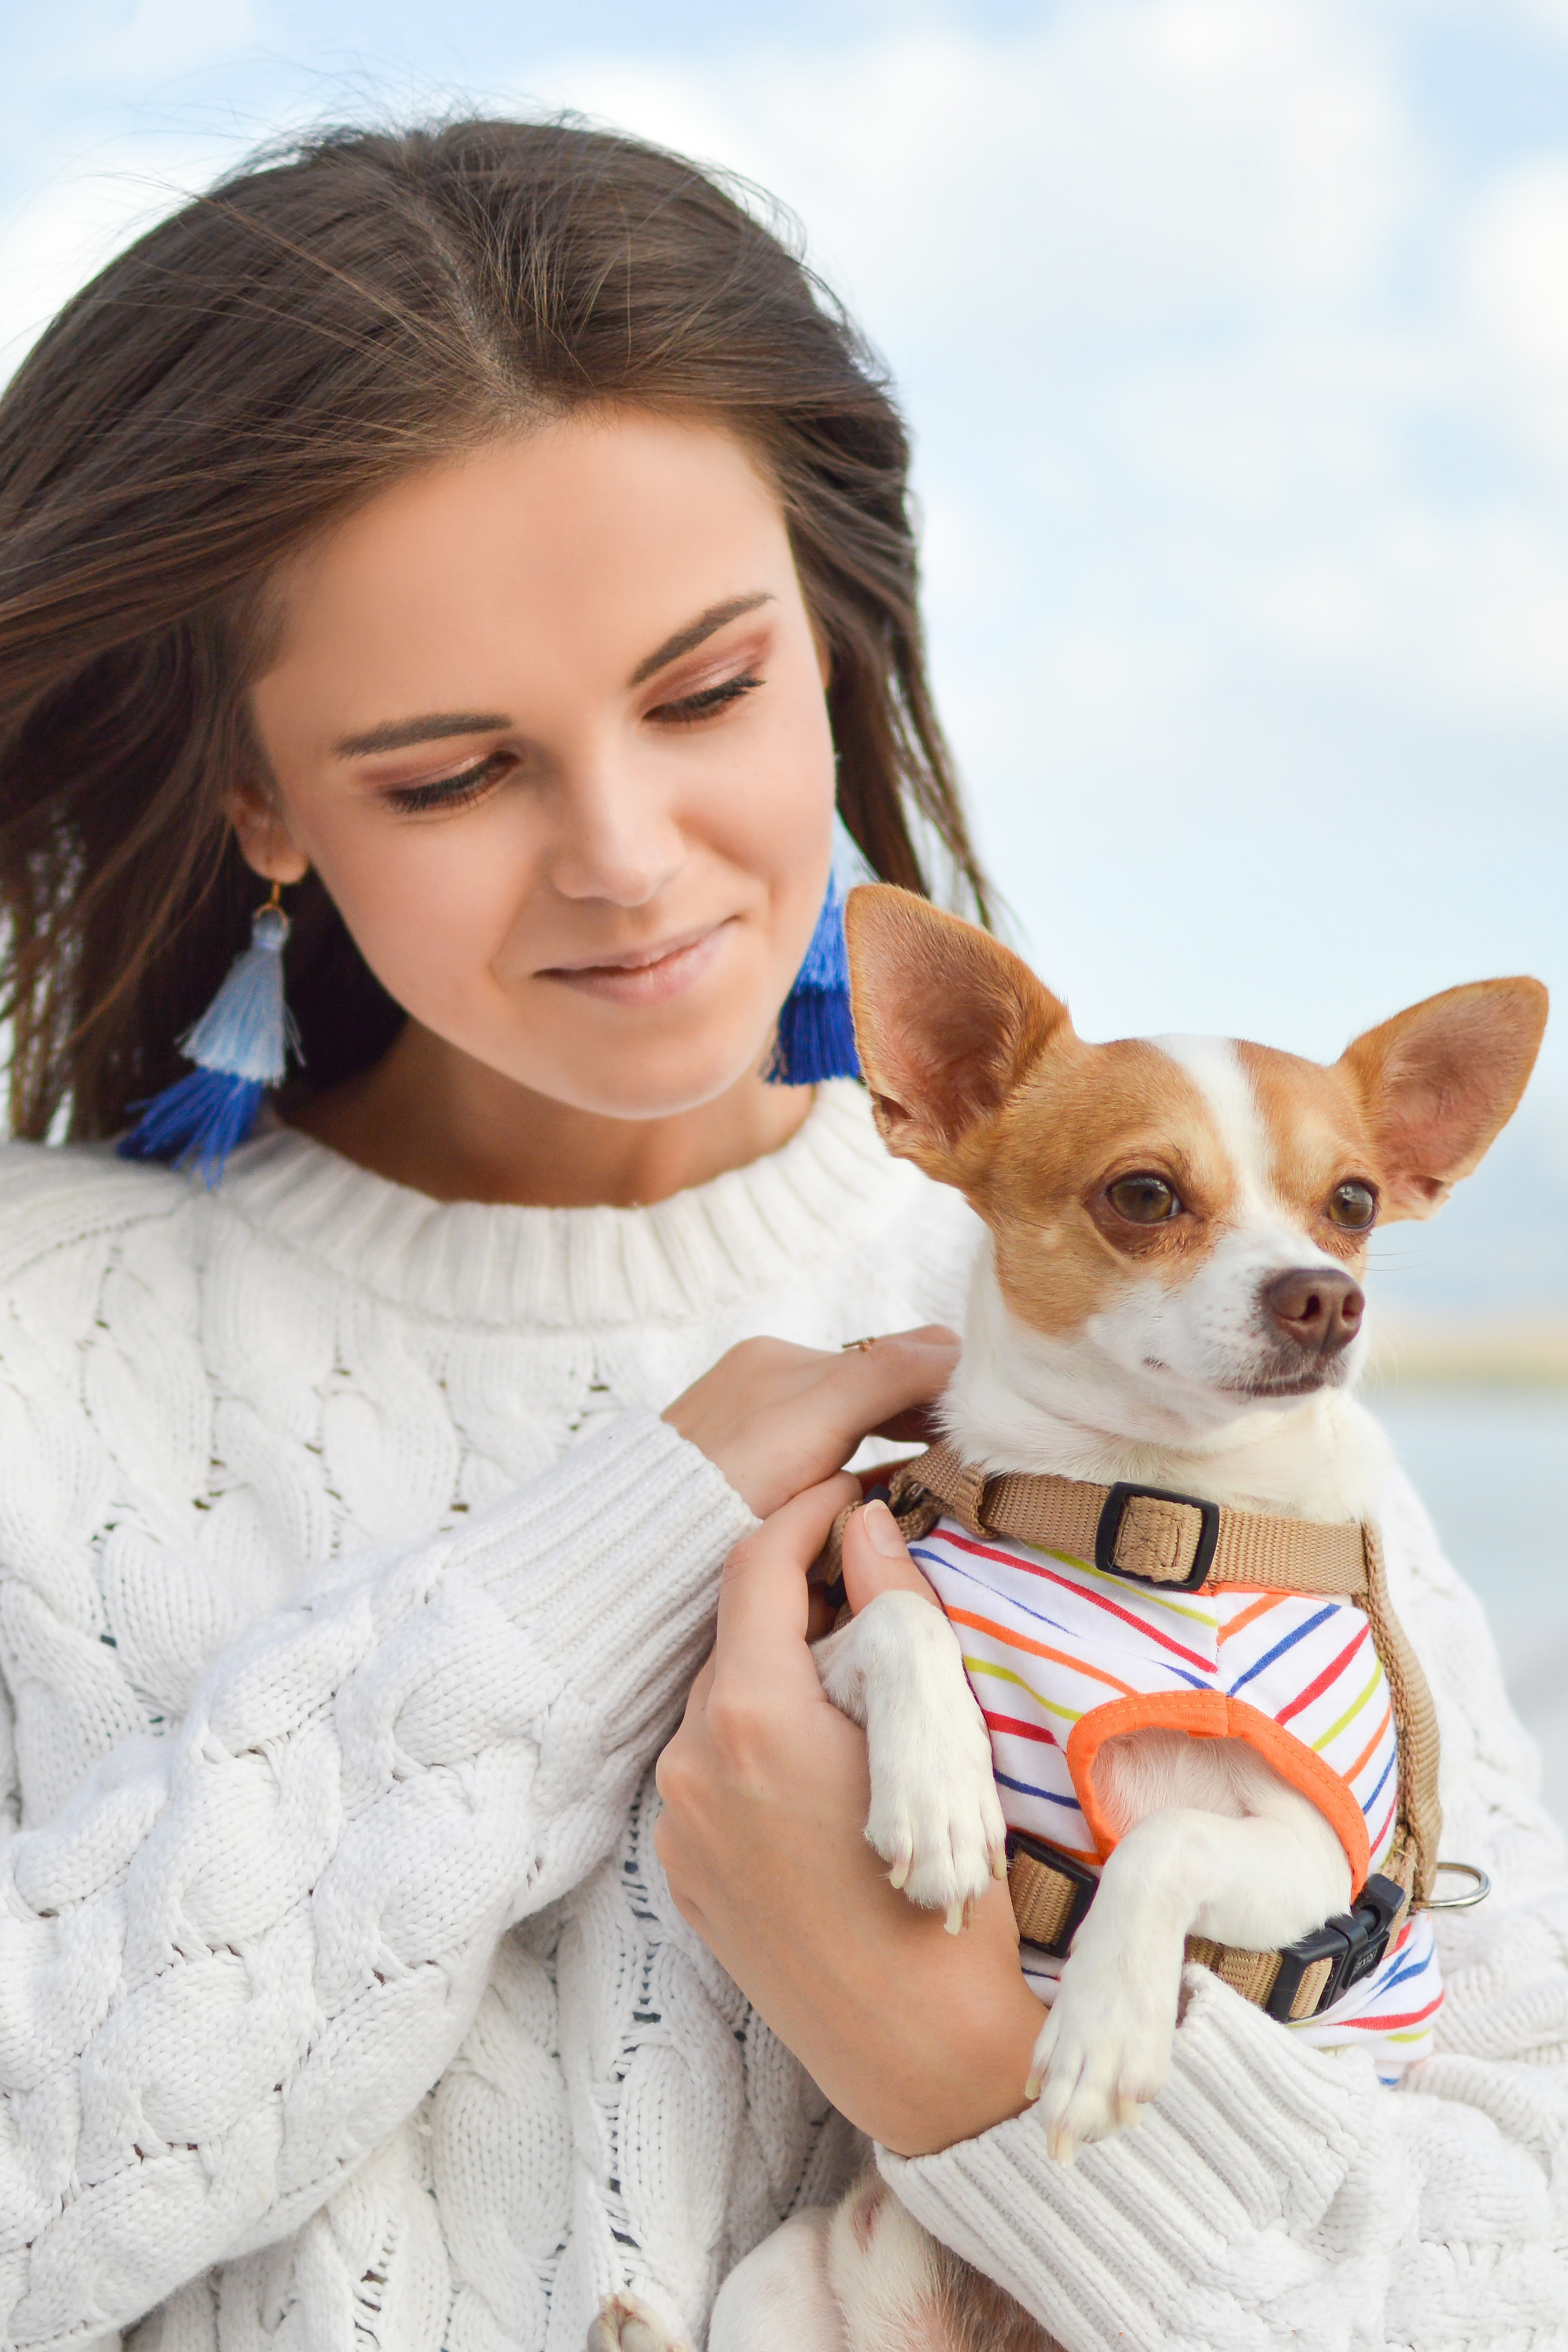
1103 2053
625 2325
935 1817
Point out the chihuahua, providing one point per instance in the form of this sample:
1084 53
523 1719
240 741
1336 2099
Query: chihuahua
1170 1297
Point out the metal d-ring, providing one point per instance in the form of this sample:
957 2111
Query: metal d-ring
1480 1888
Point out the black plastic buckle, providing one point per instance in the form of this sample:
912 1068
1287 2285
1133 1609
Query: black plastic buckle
1356 1941
1086 1883
1110 1528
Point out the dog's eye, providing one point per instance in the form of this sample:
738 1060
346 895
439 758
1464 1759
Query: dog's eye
1353 1206
1142 1200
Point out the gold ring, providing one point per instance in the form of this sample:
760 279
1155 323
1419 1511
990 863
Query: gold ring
857 1346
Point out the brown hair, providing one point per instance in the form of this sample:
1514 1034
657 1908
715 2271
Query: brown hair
281 348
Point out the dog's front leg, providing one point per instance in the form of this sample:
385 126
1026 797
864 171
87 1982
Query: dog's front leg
935 1817
1105 2049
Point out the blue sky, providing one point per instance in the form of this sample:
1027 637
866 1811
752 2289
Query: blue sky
1235 338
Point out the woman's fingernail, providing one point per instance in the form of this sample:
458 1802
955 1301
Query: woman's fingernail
882 1529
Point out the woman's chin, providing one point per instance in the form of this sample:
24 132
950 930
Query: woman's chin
647 1083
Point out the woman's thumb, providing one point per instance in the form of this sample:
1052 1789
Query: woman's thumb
877 1559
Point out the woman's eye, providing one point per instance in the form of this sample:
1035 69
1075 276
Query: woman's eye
452 792
1142 1200
706 705
1353 1206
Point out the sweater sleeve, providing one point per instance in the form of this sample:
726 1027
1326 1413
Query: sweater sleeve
1278 2196
238 1957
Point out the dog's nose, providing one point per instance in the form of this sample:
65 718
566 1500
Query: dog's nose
1317 1306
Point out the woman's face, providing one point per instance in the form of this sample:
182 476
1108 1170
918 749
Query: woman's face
549 722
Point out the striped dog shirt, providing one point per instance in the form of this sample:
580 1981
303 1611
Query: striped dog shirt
1062 1656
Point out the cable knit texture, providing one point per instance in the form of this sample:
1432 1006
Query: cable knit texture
349 1584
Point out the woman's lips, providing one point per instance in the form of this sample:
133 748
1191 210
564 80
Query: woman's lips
644 977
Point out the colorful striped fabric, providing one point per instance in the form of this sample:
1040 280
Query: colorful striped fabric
1062 1656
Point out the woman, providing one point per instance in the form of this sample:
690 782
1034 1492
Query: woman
490 539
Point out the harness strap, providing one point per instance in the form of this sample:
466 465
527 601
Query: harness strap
1142 1531
1414 1720
1050 1897
1159 1537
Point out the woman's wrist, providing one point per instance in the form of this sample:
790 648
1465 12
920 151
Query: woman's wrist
946 2056
921 2038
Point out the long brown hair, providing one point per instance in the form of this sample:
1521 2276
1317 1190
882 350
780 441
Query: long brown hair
319 322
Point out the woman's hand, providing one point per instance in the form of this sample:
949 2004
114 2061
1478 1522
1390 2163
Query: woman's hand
921 2038
776 1418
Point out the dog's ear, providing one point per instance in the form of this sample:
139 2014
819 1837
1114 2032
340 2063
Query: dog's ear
946 1021
1439 1084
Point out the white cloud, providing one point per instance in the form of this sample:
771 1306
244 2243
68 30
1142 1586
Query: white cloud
1114 169
1514 279
1178 234
162 36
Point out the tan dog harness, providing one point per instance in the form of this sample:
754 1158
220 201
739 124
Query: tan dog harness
1151 1537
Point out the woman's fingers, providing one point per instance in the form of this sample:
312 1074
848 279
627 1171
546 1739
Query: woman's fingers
763 1602
877 1560
777 1419
755 1689
900 1374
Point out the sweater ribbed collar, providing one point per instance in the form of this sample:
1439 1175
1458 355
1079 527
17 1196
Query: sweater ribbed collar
578 1268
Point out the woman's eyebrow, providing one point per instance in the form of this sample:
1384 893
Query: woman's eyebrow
705 624
397 734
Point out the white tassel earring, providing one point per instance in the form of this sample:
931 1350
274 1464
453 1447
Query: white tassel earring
240 1047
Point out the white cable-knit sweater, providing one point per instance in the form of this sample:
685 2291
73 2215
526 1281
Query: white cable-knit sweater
349 1584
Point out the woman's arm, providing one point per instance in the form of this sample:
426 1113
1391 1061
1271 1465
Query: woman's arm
1275 2196
240 1957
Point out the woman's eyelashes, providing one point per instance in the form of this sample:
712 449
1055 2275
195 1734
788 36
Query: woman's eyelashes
473 783
707 703
470 785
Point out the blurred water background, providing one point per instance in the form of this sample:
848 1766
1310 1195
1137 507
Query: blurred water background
1489 1462
1234 338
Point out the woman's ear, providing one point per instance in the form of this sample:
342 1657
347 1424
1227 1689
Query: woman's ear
266 843
1440 1081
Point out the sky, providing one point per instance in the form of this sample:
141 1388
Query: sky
1234 337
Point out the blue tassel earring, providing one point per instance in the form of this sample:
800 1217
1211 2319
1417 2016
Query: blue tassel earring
240 1047
816 1033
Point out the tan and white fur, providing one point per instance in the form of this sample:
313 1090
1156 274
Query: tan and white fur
1208 1349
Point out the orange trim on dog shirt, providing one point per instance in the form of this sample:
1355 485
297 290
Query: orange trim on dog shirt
1062 1655
1210 1714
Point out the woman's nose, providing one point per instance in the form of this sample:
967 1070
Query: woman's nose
617 840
